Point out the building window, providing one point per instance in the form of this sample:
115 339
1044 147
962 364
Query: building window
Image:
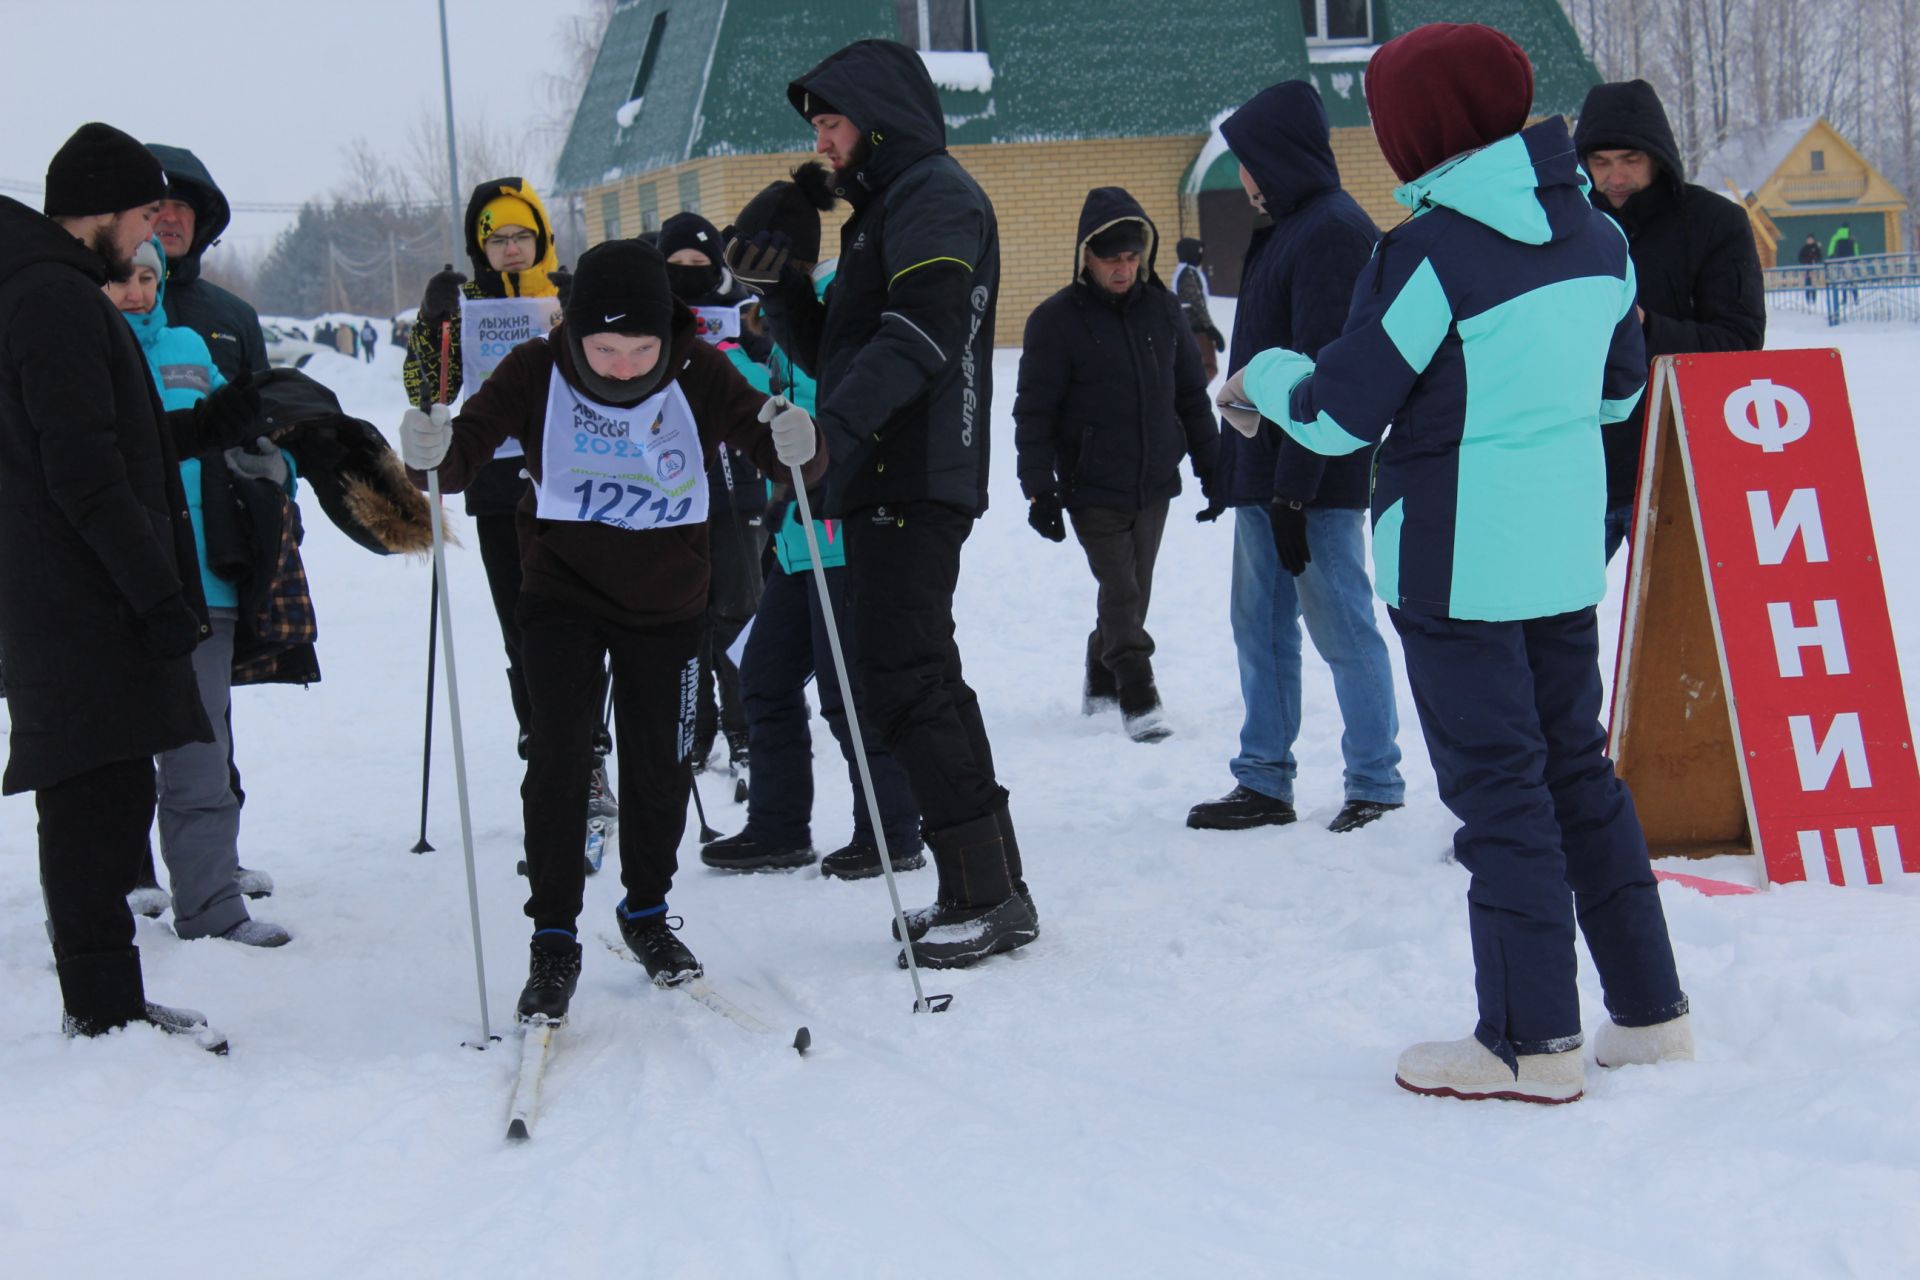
1819 162
1337 21
649 57
649 200
610 216
690 191
950 25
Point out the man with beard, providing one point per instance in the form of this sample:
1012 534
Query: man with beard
902 348
1700 284
100 609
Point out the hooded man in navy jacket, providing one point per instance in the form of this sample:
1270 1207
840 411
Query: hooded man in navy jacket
1299 539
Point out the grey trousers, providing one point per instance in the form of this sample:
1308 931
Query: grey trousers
199 815
1121 547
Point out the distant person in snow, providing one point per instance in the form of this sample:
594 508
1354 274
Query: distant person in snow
617 414
902 347
1843 245
1700 287
369 341
1111 398
1190 286
100 607
739 519
1299 520
789 646
1495 330
510 247
192 218
1810 257
199 816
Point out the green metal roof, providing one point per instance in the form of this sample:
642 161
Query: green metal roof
1062 70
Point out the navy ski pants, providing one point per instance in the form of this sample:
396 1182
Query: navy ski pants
1511 713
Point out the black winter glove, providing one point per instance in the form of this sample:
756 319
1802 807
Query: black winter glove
1212 511
441 301
1290 534
563 283
1043 513
1219 342
171 628
230 416
758 262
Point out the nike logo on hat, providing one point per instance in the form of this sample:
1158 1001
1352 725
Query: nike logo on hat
611 319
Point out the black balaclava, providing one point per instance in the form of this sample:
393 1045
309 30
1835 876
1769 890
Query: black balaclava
620 286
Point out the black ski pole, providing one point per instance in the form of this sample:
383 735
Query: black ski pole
426 745
707 834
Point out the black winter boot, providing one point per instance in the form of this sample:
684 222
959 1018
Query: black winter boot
649 935
1239 809
1098 692
101 990
552 974
977 912
860 860
1140 711
744 853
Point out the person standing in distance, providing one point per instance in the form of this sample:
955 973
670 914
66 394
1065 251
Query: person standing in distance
902 348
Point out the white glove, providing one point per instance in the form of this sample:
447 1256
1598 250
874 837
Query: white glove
793 436
425 437
1236 408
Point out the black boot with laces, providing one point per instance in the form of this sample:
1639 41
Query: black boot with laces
649 935
553 973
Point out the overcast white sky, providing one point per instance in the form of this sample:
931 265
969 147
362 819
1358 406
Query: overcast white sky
266 92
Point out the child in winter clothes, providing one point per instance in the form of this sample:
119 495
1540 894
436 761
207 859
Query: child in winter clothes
617 411
199 815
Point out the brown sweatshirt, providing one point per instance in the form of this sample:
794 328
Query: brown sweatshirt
631 577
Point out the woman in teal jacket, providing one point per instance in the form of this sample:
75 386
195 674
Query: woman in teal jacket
1495 331
199 814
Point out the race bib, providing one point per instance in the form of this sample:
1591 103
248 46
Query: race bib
717 324
635 468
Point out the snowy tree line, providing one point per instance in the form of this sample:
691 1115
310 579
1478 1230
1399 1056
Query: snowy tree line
1722 65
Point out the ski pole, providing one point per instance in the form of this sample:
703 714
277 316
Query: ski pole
426 745
921 1003
453 705
707 834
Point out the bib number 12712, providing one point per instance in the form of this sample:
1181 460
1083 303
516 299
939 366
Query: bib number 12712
613 493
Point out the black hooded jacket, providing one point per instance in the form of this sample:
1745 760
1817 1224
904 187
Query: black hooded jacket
230 325
902 347
1693 254
94 530
1296 287
1111 392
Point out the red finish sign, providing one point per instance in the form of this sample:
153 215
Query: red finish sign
1800 613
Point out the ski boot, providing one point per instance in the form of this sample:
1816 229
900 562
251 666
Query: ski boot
553 973
649 935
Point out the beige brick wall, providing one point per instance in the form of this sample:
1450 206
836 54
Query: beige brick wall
1036 188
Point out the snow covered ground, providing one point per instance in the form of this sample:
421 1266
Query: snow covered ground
1189 1074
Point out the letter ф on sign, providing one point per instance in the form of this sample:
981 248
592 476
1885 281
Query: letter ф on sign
1758 702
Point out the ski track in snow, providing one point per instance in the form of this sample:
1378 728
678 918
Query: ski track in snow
1189 1073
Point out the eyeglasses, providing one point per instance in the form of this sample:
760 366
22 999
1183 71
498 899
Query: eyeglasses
510 240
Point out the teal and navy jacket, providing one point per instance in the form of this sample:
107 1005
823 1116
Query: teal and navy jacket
1495 331
780 374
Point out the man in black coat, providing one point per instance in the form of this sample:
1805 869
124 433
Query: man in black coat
192 218
902 349
1111 397
1300 520
100 601
1692 250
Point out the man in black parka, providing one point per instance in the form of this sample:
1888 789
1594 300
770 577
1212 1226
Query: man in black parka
902 349
100 600
193 216
1692 250
1112 395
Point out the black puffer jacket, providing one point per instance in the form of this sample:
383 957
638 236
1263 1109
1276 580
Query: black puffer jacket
1693 253
903 346
1111 392
229 324
94 529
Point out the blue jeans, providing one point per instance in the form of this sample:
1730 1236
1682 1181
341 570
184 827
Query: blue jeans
1335 596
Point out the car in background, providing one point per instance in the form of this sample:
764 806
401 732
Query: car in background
288 346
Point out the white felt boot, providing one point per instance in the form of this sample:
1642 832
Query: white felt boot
1468 1069
1669 1041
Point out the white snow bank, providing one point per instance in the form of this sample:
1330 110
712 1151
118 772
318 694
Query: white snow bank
959 71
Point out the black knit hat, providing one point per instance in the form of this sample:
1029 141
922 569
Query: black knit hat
689 231
101 170
791 208
1128 235
620 286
